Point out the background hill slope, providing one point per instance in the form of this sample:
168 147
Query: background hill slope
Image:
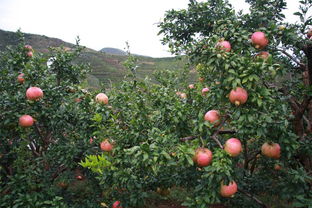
106 67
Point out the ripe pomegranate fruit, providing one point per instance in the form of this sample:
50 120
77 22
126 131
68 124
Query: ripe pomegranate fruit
20 78
271 150
29 54
101 98
238 96
263 55
277 167
183 95
213 117
116 204
224 45
309 33
106 146
28 47
228 190
191 86
202 157
259 39
26 121
233 146
34 93
205 91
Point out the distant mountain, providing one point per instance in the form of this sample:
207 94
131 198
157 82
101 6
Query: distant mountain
113 51
107 68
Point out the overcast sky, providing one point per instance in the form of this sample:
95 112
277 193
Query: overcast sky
98 23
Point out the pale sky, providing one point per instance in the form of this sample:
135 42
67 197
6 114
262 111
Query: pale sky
98 23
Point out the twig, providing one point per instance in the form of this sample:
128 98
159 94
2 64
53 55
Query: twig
215 134
302 66
188 138
253 197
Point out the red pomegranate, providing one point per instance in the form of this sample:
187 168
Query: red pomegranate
238 96
259 39
263 55
26 121
271 150
191 86
228 190
183 95
224 45
29 54
116 204
233 146
205 91
213 116
20 78
28 47
106 146
277 167
34 93
202 157
309 33
101 98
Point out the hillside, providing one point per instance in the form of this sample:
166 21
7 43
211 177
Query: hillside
113 51
106 68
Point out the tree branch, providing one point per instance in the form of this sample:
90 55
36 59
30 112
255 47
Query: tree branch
215 134
253 197
302 66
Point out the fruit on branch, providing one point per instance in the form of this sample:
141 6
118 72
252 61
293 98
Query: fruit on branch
202 157
277 167
34 93
271 150
20 78
116 204
101 98
205 91
238 96
191 86
213 116
259 40
224 45
26 121
263 55
228 190
281 27
29 54
233 146
309 33
106 146
183 95
28 47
